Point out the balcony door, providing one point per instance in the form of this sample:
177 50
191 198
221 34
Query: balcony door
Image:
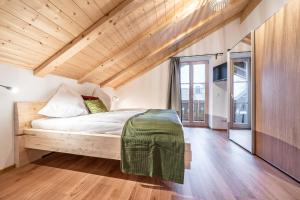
194 93
240 93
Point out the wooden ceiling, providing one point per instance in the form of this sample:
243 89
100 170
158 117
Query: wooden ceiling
107 42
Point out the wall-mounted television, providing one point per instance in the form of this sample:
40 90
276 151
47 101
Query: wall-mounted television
220 72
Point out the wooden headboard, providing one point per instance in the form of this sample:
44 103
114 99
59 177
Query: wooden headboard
24 113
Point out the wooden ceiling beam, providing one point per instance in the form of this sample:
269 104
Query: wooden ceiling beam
247 40
183 40
188 42
140 40
87 37
249 8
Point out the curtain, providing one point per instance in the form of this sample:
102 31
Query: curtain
174 101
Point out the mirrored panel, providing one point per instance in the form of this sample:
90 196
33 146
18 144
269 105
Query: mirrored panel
240 112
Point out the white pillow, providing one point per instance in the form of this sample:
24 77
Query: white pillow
105 98
65 103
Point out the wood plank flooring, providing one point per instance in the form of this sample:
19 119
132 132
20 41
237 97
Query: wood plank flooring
220 170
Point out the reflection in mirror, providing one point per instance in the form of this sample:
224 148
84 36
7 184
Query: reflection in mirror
240 94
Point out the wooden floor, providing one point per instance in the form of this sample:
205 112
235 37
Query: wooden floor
220 170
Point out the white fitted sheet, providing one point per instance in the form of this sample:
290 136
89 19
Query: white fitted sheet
99 123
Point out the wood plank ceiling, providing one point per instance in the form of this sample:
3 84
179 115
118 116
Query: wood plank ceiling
107 42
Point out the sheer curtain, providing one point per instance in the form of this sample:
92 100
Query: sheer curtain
174 101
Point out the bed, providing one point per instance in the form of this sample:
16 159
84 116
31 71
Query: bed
33 143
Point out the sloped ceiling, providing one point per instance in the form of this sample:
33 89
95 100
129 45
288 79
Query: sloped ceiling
102 41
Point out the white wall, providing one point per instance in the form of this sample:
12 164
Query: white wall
150 90
31 88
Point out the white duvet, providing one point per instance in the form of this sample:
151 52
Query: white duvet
100 123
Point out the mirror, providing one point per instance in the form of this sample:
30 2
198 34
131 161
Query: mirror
240 93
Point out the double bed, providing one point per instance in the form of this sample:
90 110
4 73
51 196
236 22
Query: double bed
96 135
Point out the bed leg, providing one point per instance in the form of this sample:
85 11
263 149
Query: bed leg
23 155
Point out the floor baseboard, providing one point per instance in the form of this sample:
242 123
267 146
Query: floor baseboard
218 129
6 169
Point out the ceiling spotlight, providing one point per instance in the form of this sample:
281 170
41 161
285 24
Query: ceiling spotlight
217 5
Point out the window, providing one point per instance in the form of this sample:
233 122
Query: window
194 93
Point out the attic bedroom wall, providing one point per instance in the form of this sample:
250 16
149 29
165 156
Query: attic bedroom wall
150 90
31 88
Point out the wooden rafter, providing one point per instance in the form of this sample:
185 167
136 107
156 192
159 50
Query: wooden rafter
185 39
140 40
134 34
87 37
188 42
247 40
249 8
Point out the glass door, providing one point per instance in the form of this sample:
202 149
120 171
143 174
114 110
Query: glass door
194 93
240 95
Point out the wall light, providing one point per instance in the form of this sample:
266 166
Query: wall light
217 5
12 89
115 98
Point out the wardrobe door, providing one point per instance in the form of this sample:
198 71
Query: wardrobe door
277 69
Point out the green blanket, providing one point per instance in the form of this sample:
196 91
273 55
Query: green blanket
153 145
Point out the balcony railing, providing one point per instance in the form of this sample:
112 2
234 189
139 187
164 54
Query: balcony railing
240 112
198 113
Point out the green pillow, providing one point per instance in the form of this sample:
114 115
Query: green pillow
95 106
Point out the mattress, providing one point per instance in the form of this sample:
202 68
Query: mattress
99 123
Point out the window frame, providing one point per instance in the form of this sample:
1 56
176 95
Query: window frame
191 122
234 125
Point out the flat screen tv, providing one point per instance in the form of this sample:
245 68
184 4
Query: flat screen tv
220 72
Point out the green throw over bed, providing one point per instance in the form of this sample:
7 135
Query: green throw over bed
153 145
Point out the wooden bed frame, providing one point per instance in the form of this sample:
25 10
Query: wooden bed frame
32 144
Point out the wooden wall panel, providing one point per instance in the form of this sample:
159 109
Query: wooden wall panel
277 50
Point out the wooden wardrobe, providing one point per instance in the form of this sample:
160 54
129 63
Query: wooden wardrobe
277 70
